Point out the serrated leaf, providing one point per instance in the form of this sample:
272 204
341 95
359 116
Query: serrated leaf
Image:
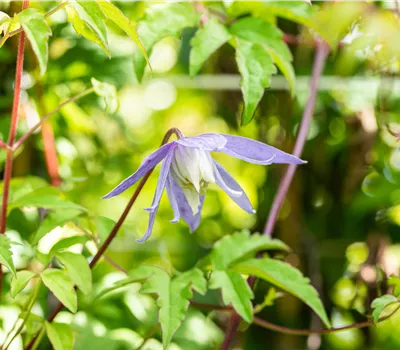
81 28
379 304
78 270
173 297
242 245
206 41
114 14
91 14
61 286
256 67
45 197
20 281
37 31
60 335
235 290
6 254
261 32
121 284
68 242
160 22
54 219
108 92
286 277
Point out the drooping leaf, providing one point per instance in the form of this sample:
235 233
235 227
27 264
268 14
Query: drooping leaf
206 41
256 67
78 270
121 284
108 92
286 277
379 304
20 281
61 286
82 28
91 14
5 253
37 31
45 197
235 290
60 335
173 297
54 219
68 242
160 22
261 32
395 282
242 245
114 14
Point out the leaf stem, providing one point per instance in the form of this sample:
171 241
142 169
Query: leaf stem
28 310
54 10
48 115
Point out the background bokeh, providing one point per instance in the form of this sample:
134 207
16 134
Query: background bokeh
342 213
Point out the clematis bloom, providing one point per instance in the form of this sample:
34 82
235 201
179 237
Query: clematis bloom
188 168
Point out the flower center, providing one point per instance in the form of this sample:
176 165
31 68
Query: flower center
193 170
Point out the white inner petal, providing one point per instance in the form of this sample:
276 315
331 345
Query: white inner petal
193 170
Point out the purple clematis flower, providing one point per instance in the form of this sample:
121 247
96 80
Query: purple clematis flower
188 168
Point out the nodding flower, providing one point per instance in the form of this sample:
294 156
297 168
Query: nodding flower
188 168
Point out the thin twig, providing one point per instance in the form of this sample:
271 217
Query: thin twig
322 52
48 115
281 329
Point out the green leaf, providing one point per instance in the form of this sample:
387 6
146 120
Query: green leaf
269 36
121 284
173 296
45 197
5 253
256 67
54 219
82 28
60 335
5 21
37 31
91 14
379 304
20 281
114 14
242 245
286 277
296 11
108 92
68 242
78 270
206 41
395 282
160 22
33 322
61 286
235 290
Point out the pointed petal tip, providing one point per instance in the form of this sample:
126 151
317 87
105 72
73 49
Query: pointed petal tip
254 211
108 195
174 221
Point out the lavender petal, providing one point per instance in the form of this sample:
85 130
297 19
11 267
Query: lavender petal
206 142
257 152
148 163
224 179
